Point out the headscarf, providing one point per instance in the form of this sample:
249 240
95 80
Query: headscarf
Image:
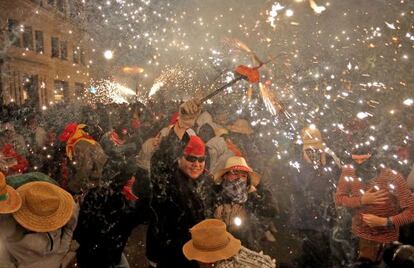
235 190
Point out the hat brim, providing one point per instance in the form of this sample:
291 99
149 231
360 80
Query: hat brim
192 253
12 203
240 130
313 145
26 218
255 177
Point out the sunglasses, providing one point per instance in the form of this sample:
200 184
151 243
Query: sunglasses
192 158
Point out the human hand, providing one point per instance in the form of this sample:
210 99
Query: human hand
373 220
191 107
372 197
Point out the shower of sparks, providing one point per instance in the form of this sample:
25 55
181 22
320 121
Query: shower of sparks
107 91
343 67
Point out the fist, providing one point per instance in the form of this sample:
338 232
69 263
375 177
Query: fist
191 107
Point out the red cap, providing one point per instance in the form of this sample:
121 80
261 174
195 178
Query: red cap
195 146
68 131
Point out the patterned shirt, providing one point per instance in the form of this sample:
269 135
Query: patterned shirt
399 207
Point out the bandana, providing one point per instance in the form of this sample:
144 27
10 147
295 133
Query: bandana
77 136
315 157
116 139
236 190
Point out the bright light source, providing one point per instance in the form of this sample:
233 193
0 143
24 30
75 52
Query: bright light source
408 102
237 221
289 13
362 115
108 54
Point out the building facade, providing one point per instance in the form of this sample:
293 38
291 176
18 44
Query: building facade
44 53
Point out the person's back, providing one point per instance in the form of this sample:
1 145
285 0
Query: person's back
106 220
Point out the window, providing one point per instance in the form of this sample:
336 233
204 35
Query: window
28 37
61 91
55 47
60 5
39 42
14 35
76 54
64 50
82 56
73 9
79 90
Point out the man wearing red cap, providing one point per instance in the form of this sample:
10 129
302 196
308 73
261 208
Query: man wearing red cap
187 200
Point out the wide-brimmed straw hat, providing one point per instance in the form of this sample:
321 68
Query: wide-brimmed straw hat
45 207
10 200
241 126
220 131
312 138
237 163
210 242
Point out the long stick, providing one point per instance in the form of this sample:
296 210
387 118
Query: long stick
214 93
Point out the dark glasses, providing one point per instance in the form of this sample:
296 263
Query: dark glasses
192 158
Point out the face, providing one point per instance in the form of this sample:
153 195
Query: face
192 165
233 175
314 155
186 122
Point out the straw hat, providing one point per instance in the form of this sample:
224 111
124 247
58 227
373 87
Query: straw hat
241 126
10 200
210 242
237 163
46 207
311 138
220 131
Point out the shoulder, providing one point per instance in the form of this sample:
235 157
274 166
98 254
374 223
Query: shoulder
348 170
391 173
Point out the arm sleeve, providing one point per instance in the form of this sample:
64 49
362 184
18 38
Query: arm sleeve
406 201
344 196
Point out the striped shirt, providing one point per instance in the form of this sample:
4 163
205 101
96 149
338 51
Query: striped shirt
399 207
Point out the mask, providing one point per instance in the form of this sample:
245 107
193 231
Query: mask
314 156
236 190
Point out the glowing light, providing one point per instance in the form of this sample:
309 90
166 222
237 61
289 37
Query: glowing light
108 54
155 88
132 70
408 102
363 115
289 13
237 221
317 9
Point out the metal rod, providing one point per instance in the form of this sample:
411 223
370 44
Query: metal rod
215 92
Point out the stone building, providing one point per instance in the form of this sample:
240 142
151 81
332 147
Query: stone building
44 53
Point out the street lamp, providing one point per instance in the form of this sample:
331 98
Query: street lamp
108 54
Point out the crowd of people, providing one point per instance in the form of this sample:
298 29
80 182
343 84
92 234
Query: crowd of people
73 186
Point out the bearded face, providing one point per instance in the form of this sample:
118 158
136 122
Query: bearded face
365 167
